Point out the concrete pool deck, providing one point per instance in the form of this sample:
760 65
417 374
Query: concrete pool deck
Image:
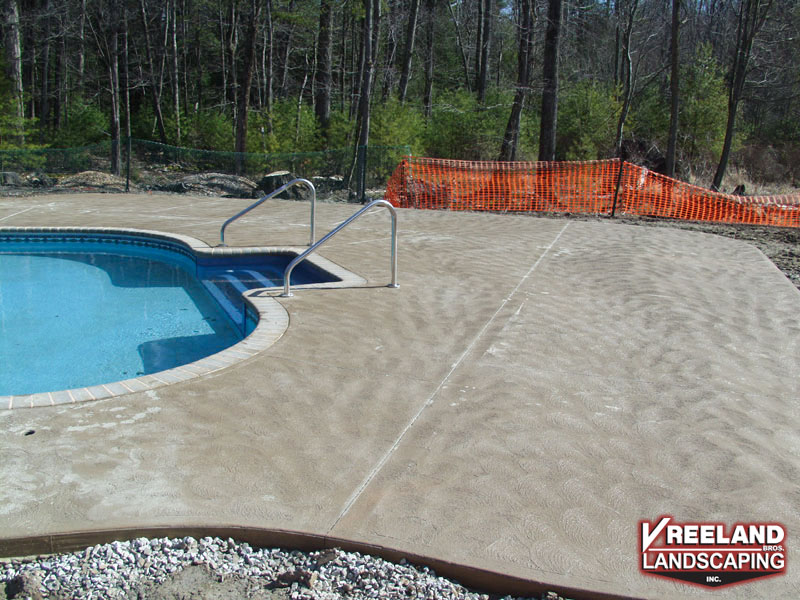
533 390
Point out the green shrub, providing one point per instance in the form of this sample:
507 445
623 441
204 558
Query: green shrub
208 129
340 130
702 117
291 131
395 124
461 128
587 121
85 124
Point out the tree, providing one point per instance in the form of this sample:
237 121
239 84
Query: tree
674 89
155 96
428 97
627 74
246 79
485 47
322 101
369 38
549 118
508 149
11 44
172 12
751 16
408 50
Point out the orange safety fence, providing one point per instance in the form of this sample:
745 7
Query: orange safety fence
576 187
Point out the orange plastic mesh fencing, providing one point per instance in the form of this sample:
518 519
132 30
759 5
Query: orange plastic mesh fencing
576 187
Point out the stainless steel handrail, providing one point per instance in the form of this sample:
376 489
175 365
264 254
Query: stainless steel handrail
273 193
287 292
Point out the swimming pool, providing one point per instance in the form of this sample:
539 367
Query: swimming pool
82 309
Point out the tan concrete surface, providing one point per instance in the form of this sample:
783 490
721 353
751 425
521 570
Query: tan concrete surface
533 390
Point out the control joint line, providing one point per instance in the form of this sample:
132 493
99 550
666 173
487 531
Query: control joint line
18 213
379 465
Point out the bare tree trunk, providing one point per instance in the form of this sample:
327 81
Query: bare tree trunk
44 90
245 82
81 47
390 55
185 14
367 74
549 119
322 101
231 91
627 74
508 150
358 82
300 105
154 88
287 54
176 81
126 74
343 62
428 98
61 69
113 77
478 43
617 43
11 43
460 43
127 86
751 17
486 44
408 51
30 51
222 52
371 24
271 35
674 90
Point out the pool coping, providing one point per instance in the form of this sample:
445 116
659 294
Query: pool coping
273 319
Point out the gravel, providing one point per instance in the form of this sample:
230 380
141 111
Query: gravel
211 568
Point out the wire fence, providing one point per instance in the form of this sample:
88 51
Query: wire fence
147 164
598 187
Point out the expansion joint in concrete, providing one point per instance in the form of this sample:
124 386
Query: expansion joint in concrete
385 458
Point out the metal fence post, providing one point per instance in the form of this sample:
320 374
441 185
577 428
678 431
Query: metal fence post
362 173
128 167
616 189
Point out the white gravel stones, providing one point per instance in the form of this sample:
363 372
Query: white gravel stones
115 570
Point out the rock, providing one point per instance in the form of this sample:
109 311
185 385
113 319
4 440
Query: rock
25 585
94 180
10 178
299 576
229 186
276 179
40 180
325 185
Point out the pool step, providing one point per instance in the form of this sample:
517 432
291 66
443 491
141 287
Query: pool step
228 285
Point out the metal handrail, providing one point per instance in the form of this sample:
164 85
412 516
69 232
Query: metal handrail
273 193
287 292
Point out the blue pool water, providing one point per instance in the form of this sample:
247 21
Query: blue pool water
77 313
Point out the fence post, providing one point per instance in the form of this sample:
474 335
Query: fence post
362 173
128 167
616 189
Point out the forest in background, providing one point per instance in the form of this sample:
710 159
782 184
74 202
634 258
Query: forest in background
692 87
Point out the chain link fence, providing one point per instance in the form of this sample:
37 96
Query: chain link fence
340 174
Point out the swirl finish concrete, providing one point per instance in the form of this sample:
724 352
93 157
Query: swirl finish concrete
533 389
